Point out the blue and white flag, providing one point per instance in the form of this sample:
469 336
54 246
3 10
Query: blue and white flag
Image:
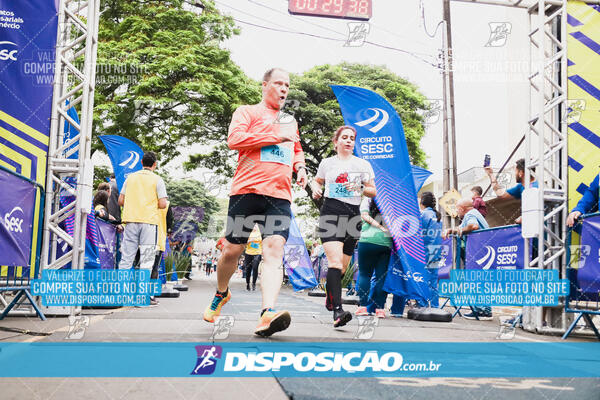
420 175
380 140
297 261
125 156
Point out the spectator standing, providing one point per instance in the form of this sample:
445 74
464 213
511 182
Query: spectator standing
142 195
252 258
588 203
114 208
374 251
472 220
478 203
432 239
100 205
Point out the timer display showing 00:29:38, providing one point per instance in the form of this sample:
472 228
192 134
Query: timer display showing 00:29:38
351 9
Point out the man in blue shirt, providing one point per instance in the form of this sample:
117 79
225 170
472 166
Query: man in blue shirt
588 203
472 220
515 191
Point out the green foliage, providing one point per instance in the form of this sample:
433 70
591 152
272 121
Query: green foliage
316 109
318 113
162 78
100 174
181 262
190 192
349 274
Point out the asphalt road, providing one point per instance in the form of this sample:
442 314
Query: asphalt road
180 320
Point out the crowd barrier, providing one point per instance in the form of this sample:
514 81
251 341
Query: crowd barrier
494 248
19 257
583 272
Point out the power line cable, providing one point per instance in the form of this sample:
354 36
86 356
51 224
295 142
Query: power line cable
340 33
422 7
370 23
340 40
413 54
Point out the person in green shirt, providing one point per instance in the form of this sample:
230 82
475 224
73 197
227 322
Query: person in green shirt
374 251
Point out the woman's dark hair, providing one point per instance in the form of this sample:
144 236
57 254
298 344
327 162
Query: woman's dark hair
428 200
101 197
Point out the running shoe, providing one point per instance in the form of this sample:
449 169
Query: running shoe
214 309
272 321
341 318
362 311
379 313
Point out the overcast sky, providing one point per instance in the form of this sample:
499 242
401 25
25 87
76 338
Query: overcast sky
491 82
492 94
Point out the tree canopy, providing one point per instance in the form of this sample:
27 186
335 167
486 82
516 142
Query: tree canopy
317 111
162 78
190 192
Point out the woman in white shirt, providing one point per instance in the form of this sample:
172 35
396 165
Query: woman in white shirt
345 178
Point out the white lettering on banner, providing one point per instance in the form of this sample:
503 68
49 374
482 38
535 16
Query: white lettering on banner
504 256
319 362
507 249
9 53
377 148
376 139
12 223
415 276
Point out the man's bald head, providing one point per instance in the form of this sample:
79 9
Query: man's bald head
463 206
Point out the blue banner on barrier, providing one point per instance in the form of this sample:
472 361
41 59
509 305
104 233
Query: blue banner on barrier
107 244
445 263
125 156
27 58
380 140
498 248
17 206
296 260
587 276
317 359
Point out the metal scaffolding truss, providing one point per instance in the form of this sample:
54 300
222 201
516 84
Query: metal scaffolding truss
546 147
546 144
74 82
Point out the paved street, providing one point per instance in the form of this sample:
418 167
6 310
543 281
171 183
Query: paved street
180 320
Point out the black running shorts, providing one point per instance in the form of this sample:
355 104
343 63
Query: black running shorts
340 222
245 210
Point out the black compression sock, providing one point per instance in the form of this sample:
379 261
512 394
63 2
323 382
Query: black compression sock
224 294
334 287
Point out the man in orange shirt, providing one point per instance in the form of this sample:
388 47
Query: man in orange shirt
261 193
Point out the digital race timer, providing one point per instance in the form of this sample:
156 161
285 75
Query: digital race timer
350 9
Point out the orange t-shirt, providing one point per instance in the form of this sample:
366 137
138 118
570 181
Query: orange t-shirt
264 162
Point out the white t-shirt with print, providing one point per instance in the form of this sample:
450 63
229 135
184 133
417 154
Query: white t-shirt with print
336 172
